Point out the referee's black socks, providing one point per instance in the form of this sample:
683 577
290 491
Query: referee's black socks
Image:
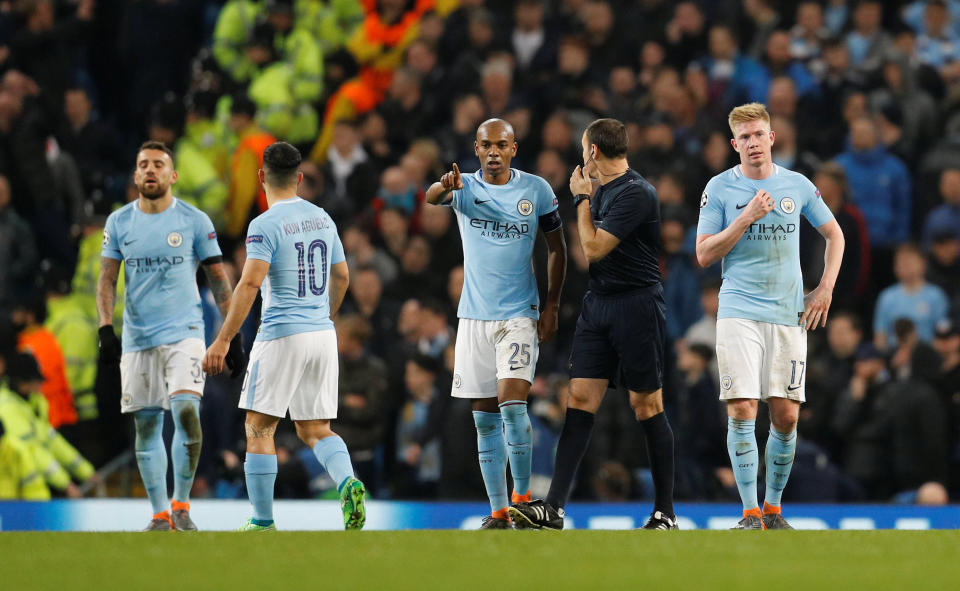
660 450
577 427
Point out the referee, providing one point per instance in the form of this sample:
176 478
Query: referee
620 333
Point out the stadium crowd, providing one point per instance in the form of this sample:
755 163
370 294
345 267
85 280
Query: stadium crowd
383 96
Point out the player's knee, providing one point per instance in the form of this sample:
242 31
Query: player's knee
646 405
311 433
743 409
582 401
785 422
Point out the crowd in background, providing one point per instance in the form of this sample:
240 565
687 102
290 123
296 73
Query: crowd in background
381 97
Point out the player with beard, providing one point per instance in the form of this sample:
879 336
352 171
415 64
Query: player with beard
161 241
499 210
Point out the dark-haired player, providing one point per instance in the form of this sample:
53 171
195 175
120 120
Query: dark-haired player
619 336
499 210
294 256
161 241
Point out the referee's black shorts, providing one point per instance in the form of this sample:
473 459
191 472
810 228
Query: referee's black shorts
621 338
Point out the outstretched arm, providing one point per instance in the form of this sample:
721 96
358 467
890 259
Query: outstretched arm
438 191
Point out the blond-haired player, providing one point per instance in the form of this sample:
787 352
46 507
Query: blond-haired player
750 218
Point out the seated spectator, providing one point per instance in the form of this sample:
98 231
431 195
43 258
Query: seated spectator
349 170
397 192
945 218
443 237
868 42
943 265
363 397
938 45
911 297
434 332
365 300
361 252
417 279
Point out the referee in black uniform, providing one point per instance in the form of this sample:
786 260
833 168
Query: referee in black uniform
620 333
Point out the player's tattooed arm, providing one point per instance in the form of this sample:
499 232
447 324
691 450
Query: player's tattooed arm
107 289
339 281
219 284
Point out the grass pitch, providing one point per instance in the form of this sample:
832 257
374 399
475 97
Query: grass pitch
462 560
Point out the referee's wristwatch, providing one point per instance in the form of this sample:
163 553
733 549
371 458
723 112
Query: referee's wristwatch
580 198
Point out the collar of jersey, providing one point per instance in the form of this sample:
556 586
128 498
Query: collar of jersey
293 199
136 207
514 175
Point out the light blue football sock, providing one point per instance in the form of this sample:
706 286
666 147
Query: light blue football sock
781 448
335 459
152 456
492 452
261 474
744 457
187 439
517 431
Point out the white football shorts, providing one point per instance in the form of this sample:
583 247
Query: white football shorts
491 350
148 377
298 373
761 359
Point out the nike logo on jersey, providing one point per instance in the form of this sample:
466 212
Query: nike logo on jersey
744 205
743 453
129 242
478 202
792 388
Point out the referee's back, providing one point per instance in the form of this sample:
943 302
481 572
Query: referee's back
627 207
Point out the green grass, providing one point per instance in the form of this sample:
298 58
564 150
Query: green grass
460 560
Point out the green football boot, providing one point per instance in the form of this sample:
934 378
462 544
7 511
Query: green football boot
251 526
352 498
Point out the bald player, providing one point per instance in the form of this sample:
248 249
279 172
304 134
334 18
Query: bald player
499 210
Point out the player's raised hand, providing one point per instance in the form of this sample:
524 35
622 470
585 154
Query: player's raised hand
580 183
452 181
213 360
816 305
761 204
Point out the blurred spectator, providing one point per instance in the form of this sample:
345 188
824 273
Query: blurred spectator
853 279
397 193
829 372
443 237
701 422
363 391
202 157
943 265
686 34
808 35
419 459
868 42
93 144
365 300
434 333
361 253
880 187
33 338
349 170
680 281
938 44
417 279
534 45
911 297
246 198
945 218
18 252
946 342
405 111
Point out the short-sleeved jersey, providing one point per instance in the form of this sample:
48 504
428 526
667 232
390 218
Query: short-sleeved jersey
160 254
627 207
301 243
762 280
498 226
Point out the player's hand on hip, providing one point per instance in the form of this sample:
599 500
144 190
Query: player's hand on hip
213 360
110 346
580 183
235 358
452 181
547 326
816 304
761 204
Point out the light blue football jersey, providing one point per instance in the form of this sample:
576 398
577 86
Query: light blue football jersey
160 254
761 275
301 243
498 226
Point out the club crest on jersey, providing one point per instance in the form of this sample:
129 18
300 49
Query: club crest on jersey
787 205
525 207
174 239
703 200
726 382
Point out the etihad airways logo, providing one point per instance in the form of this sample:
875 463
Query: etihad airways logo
152 264
496 229
760 231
